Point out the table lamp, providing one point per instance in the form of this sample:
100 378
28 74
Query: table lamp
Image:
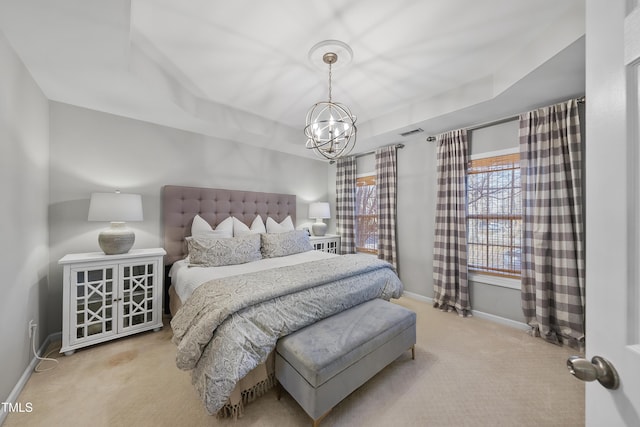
319 211
116 208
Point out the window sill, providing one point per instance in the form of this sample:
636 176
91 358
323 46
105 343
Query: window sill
495 281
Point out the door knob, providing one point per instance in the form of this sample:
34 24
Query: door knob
598 369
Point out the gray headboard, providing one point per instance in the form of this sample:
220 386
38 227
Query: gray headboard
181 204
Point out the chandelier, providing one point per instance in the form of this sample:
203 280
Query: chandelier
330 127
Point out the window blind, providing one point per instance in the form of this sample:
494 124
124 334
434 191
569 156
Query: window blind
494 215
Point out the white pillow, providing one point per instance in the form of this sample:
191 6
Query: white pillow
200 227
283 227
240 228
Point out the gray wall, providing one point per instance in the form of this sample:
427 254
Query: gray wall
416 215
24 169
490 298
93 151
416 210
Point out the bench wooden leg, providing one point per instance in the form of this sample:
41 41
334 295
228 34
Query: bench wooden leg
413 352
278 390
316 422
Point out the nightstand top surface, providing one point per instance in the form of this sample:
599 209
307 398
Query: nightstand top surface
101 256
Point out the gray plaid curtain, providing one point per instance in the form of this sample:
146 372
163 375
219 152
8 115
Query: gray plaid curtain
450 287
346 203
386 187
553 229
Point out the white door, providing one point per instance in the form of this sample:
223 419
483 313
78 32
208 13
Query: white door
613 207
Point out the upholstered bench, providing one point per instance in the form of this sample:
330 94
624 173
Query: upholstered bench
323 363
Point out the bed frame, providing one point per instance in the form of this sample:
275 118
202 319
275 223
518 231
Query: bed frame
181 204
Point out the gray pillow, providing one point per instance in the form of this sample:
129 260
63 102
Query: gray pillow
217 252
283 244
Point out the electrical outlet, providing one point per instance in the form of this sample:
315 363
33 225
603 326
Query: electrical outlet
32 328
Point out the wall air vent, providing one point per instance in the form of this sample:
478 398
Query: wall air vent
411 132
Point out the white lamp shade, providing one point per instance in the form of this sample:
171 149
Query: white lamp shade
115 207
319 210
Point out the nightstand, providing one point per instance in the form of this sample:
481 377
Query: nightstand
327 243
110 296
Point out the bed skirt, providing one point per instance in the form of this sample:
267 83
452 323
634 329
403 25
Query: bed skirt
256 383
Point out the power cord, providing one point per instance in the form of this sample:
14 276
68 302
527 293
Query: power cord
46 357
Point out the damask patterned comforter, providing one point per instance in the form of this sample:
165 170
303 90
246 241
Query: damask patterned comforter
230 325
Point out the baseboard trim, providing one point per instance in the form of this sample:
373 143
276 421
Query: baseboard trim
482 315
417 297
501 320
17 389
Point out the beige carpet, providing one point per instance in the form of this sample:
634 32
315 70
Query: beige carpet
467 372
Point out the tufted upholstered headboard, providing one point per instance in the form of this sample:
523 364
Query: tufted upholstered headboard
181 204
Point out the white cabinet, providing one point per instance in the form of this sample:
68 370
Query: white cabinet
327 243
110 296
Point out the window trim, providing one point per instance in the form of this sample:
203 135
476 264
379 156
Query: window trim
504 282
495 153
484 277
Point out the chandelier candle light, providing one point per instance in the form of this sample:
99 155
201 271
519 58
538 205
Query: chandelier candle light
330 127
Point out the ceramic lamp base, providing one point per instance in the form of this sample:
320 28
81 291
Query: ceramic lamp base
116 240
319 228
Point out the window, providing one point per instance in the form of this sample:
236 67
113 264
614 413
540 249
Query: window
494 215
366 215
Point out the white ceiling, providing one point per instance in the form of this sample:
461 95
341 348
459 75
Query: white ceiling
239 70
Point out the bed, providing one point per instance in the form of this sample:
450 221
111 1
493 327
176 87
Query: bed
227 317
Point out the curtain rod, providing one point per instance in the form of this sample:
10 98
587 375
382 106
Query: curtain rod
400 145
581 100
373 151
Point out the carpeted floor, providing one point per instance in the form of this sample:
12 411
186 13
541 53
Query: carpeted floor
467 372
